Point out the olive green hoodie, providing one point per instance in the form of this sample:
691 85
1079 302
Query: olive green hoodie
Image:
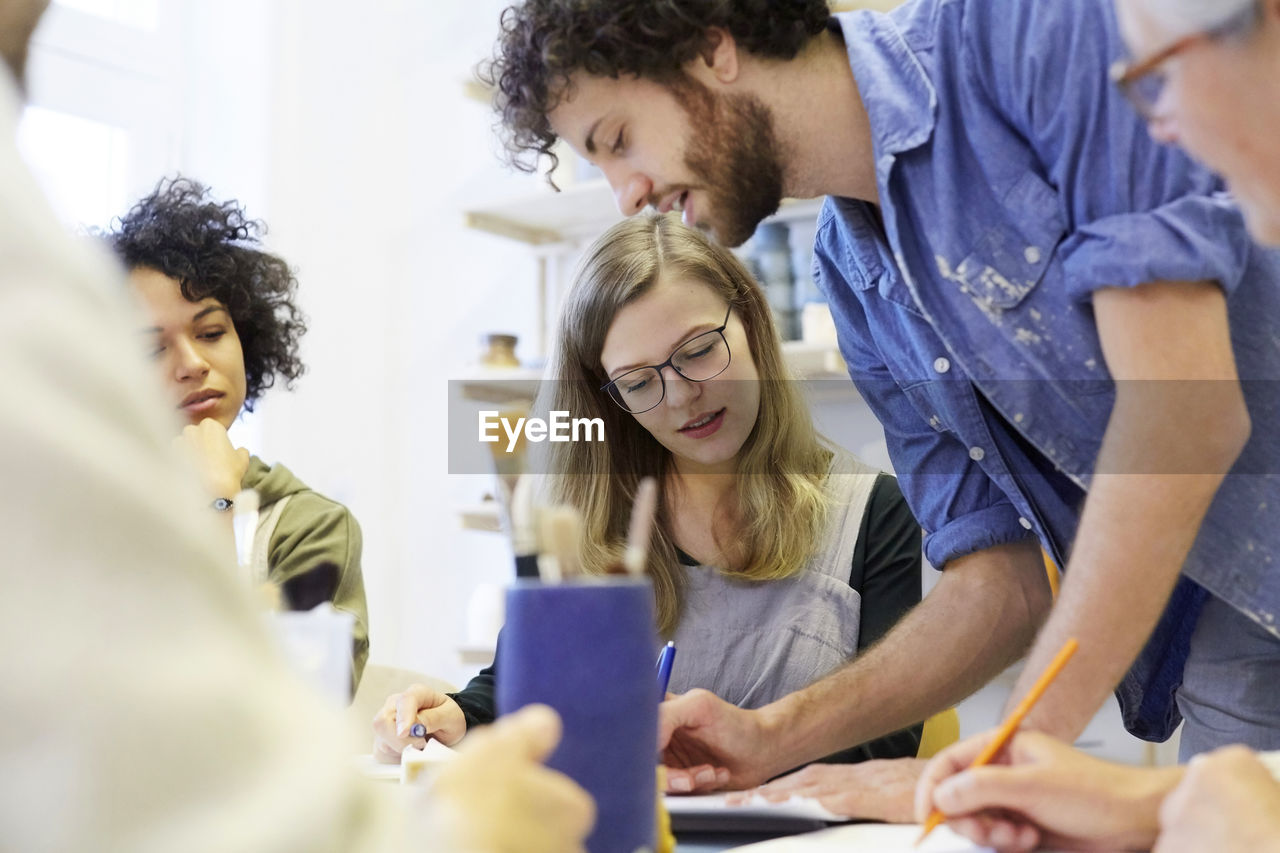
309 530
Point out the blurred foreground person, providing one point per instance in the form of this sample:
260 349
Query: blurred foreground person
146 708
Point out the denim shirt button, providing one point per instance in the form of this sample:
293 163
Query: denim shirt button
1025 523
1032 254
976 454
941 365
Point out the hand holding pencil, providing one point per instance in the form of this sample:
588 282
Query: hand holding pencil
996 743
1040 792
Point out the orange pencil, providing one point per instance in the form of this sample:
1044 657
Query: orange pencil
1011 724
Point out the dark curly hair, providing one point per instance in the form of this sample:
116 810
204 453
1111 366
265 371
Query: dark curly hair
212 249
542 42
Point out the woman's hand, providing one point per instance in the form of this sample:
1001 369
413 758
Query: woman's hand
1042 792
440 716
221 464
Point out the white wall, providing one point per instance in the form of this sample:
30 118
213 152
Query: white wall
374 150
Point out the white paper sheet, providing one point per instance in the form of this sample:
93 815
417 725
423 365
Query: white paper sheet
711 813
757 807
371 768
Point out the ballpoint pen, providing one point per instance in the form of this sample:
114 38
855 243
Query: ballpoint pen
665 661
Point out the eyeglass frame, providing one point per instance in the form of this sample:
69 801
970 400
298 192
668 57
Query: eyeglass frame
670 362
1126 74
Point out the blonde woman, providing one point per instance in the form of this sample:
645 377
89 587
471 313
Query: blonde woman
776 556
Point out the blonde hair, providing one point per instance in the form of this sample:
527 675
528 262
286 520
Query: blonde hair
781 502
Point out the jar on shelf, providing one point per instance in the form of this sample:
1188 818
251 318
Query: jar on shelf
772 257
499 351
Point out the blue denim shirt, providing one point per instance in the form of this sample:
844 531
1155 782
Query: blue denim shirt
1015 180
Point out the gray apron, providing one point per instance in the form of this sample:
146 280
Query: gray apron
752 642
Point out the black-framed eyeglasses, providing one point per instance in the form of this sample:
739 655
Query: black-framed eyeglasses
1143 82
698 359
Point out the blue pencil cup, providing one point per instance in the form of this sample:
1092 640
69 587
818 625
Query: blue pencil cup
585 647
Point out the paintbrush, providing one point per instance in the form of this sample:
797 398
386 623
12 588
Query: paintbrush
561 529
524 528
509 466
641 528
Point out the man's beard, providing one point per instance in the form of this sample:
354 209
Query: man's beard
733 153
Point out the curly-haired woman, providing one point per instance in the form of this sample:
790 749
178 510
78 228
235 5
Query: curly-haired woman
224 329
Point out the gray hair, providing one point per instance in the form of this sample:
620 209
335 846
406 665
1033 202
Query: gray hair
1191 16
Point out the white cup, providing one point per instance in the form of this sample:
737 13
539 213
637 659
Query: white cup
318 644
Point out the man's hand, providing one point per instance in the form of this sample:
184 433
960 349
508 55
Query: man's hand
979 618
1227 801
1042 792
220 464
496 797
708 744
870 790
440 716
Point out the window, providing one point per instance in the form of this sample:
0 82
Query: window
101 124
124 92
143 14
82 164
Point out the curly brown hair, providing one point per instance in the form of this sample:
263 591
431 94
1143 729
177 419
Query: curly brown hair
543 42
212 249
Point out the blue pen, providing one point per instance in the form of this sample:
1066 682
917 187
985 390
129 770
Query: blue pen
665 661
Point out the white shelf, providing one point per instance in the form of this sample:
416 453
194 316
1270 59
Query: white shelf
503 386
482 517
476 655
581 211
814 360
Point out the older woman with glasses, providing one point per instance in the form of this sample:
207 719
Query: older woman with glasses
777 556
1206 76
